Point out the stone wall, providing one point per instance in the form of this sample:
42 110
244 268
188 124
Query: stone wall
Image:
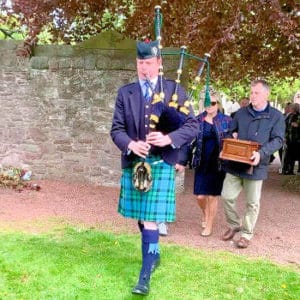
57 108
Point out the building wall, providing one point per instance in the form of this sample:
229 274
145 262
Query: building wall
57 108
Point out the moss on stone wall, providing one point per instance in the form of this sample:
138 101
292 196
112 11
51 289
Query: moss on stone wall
108 40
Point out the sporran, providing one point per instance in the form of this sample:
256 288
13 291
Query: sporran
142 177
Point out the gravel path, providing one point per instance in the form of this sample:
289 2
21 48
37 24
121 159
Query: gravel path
276 236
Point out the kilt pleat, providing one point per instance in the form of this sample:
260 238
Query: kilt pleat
158 204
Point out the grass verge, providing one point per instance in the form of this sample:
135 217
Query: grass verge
87 264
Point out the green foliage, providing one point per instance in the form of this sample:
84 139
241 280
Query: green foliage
246 39
71 21
282 89
235 91
86 264
45 37
10 27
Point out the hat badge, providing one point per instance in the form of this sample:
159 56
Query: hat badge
154 51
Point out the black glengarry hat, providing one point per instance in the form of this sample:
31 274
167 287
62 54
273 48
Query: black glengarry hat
147 49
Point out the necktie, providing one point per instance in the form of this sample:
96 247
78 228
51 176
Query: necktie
148 91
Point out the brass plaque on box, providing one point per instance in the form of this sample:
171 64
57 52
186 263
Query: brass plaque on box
238 150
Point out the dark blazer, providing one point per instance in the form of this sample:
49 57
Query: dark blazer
129 116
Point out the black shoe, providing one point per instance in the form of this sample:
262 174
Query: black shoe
155 265
141 289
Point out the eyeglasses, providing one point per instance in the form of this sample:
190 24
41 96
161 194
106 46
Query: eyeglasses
213 103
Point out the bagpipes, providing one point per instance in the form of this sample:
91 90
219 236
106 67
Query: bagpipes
169 116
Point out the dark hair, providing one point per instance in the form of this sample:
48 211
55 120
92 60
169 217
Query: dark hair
295 107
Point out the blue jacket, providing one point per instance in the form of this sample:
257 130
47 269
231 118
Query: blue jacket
129 122
266 128
221 124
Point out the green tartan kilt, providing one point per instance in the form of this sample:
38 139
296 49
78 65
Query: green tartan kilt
158 204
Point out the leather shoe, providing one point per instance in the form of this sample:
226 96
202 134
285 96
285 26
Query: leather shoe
242 243
230 232
155 265
141 289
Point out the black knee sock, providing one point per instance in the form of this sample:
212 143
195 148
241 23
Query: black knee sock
140 225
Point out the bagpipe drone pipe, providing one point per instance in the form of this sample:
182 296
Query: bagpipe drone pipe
167 116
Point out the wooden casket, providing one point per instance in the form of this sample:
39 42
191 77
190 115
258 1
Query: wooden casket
238 150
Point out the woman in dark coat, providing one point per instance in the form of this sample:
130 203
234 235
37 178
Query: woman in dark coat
208 180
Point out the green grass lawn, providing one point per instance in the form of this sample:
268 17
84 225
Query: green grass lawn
88 264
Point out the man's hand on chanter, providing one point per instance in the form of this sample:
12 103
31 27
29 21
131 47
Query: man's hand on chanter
157 138
139 148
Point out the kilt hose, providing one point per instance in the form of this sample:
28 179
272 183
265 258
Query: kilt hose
158 204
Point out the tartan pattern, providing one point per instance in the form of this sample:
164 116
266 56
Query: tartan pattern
158 204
